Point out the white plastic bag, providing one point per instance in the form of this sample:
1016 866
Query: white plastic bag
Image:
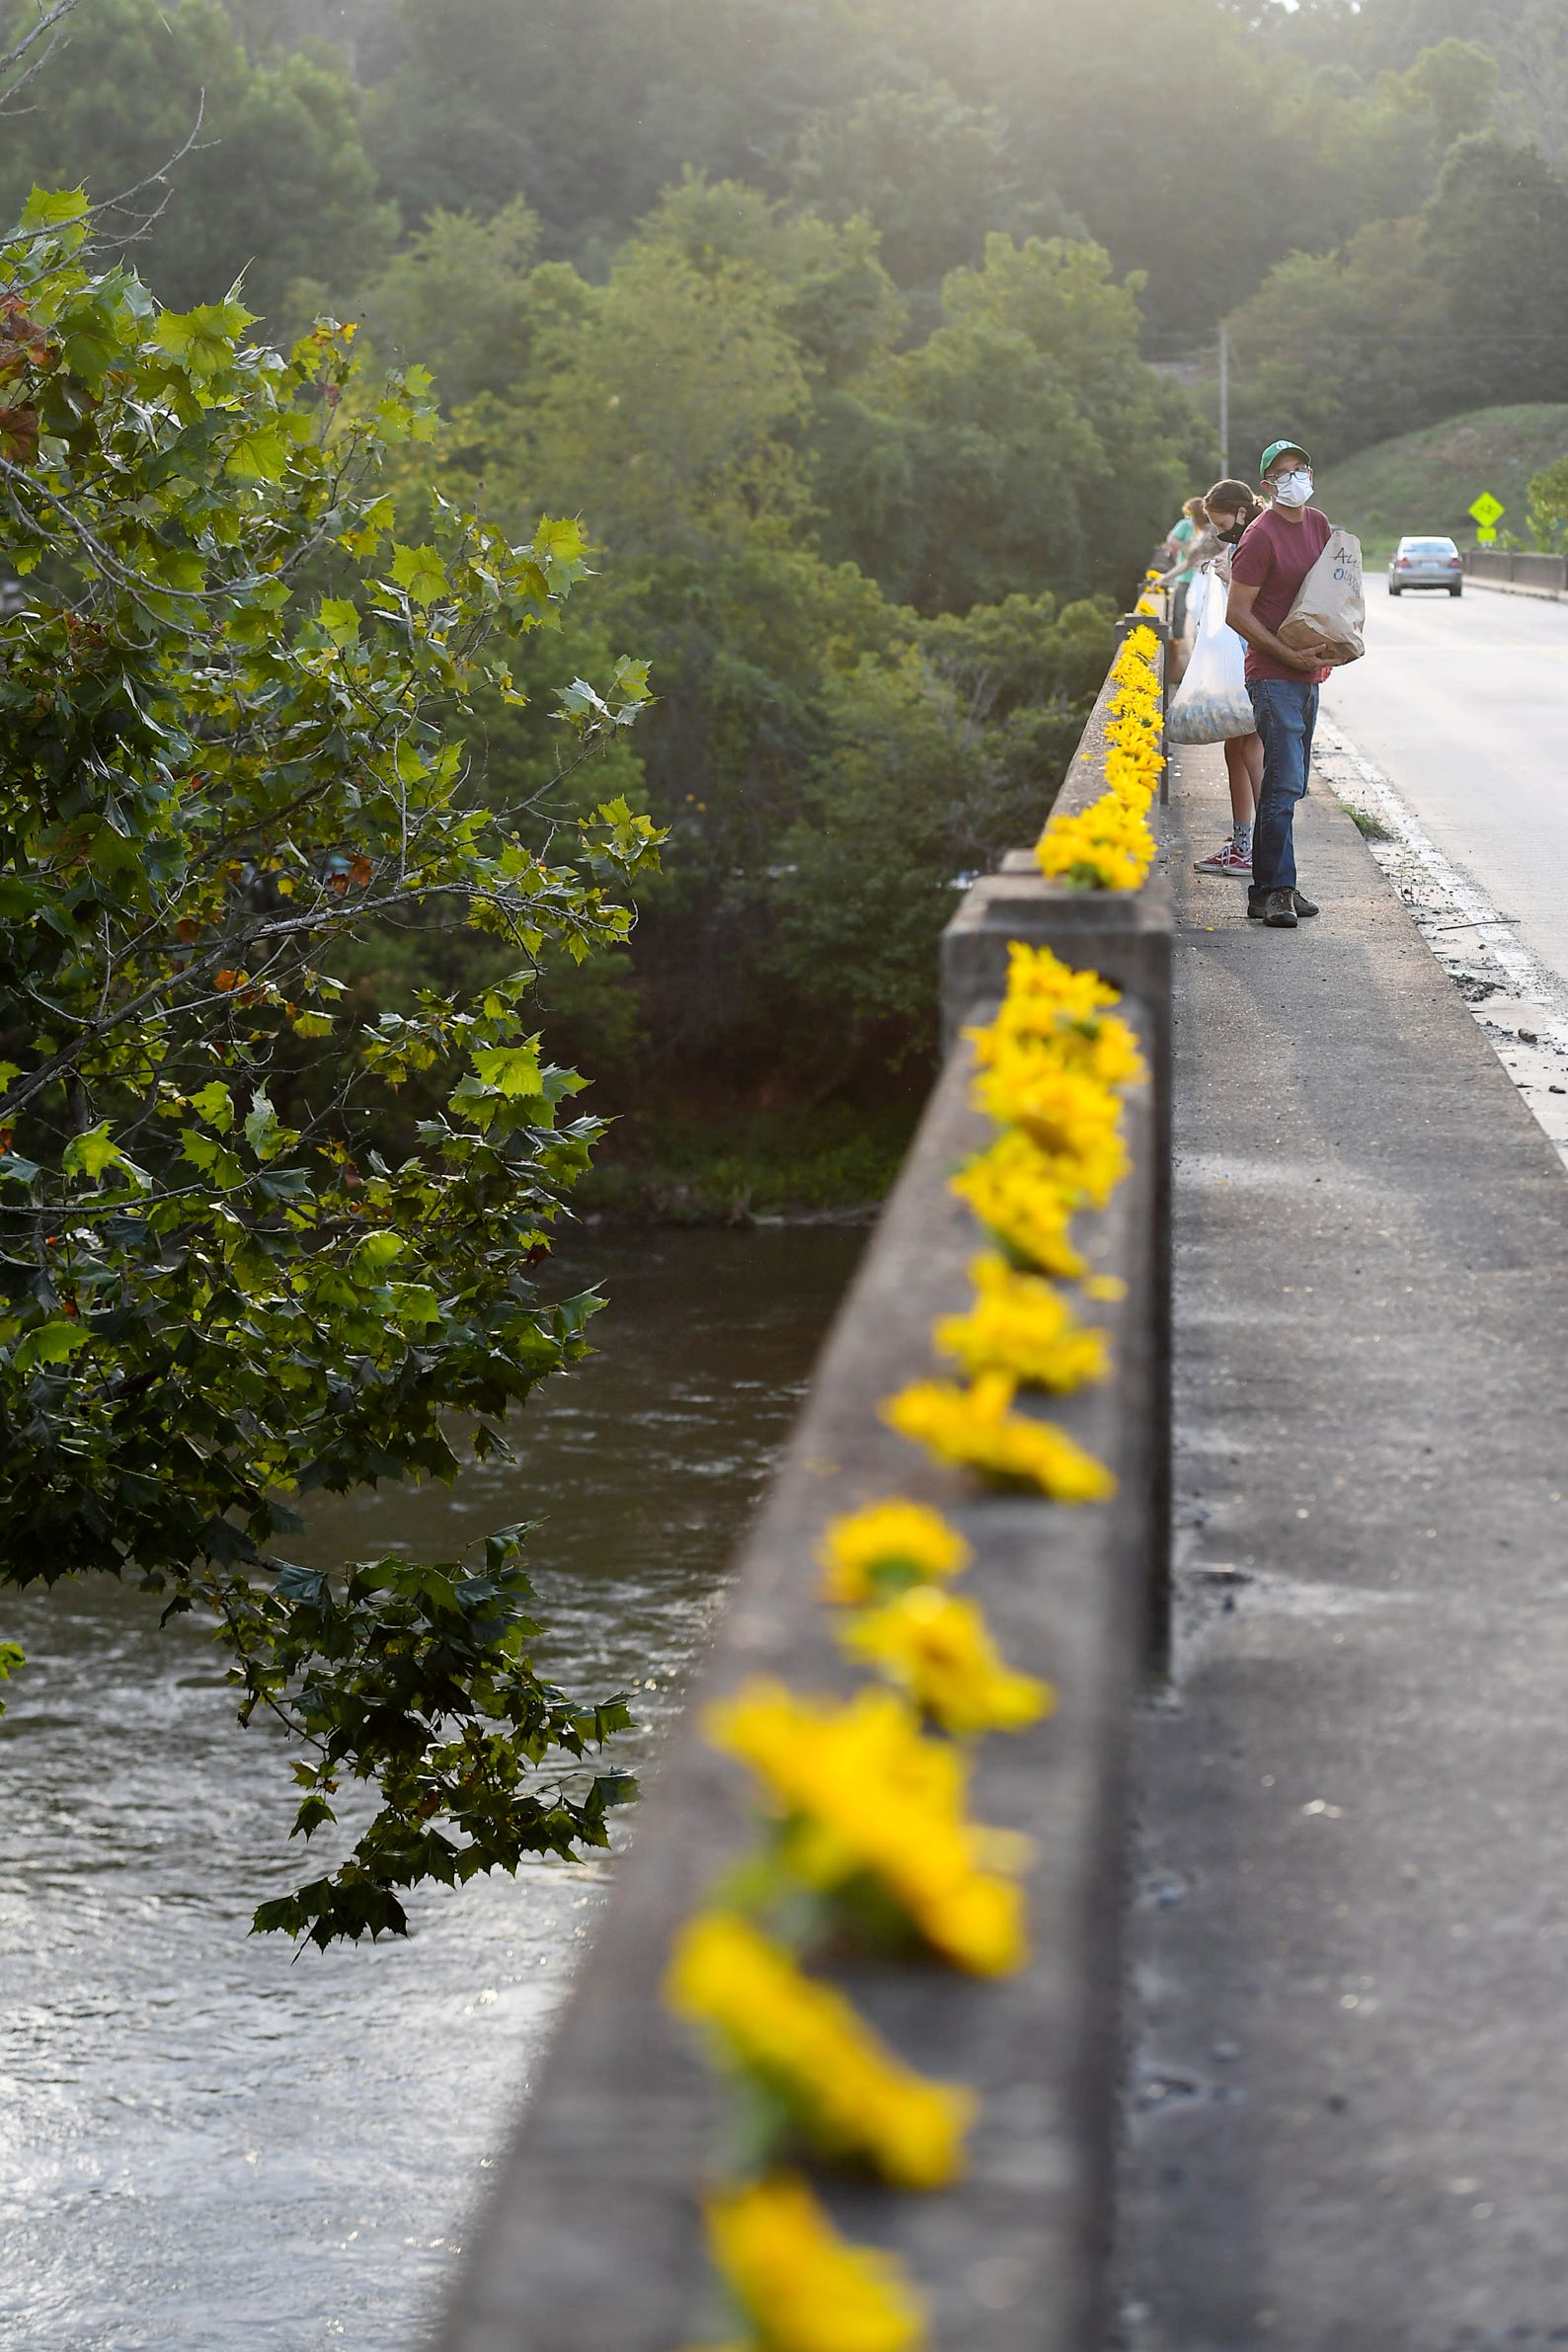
1330 609
1211 702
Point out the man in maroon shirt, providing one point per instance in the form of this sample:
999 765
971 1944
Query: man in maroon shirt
1275 556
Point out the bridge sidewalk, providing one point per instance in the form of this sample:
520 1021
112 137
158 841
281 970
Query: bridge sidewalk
1350 2075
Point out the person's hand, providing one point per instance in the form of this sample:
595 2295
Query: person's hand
1308 662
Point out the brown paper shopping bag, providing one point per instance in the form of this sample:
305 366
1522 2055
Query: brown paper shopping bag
1330 610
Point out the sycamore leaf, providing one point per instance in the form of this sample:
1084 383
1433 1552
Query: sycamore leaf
313 1811
209 1156
91 1153
52 207
377 1251
560 542
202 341
629 679
53 1341
577 703
261 1125
376 521
510 1070
414 1304
179 568
339 619
215 1105
259 456
421 571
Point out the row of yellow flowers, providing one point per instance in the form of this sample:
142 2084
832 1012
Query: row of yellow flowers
868 1840
1108 846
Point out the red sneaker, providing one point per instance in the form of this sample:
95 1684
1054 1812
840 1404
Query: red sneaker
1229 860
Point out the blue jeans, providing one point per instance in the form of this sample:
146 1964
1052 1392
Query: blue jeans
1285 710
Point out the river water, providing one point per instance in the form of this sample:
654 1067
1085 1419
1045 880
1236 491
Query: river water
208 2144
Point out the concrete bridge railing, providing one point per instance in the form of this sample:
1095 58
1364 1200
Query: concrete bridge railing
593 2241
1524 567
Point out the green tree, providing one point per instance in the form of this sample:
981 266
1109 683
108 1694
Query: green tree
1528 39
1495 237
230 1269
1348 347
1376 143
1025 442
1456 81
1146 116
931 174
589 112
939 755
279 186
699 404
1549 506
457 296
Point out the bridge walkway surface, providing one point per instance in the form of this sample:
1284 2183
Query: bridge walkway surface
1349 2077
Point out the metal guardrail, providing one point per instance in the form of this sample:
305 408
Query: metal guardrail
1524 567
592 2239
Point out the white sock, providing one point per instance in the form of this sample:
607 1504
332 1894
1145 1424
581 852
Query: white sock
1241 835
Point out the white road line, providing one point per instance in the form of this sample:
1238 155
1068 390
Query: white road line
1522 1008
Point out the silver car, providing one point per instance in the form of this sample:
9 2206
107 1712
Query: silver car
1425 564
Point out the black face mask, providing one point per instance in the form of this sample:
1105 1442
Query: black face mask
1230 537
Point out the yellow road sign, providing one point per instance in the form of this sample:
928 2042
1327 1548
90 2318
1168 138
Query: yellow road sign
1486 535
1486 511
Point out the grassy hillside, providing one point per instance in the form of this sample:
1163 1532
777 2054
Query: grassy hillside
1425 481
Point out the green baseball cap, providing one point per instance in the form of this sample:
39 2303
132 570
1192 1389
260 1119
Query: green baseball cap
1277 449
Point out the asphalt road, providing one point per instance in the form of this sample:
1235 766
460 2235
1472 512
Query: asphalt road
1462 702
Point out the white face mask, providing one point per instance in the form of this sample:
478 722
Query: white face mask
1293 490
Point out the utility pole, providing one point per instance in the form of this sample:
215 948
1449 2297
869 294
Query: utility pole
1225 399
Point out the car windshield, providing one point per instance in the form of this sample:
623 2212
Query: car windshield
1427 547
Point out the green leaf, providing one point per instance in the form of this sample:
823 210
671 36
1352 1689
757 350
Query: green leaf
421 571
376 521
52 207
215 1105
259 1125
260 455
202 341
91 1153
560 542
179 568
339 619
313 1811
206 1153
53 1341
377 1251
415 1305
510 1070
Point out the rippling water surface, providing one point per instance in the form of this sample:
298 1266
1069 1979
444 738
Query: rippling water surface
206 2143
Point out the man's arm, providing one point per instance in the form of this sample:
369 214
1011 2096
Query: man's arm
1244 621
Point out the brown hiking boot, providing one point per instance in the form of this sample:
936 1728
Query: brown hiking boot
1278 910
